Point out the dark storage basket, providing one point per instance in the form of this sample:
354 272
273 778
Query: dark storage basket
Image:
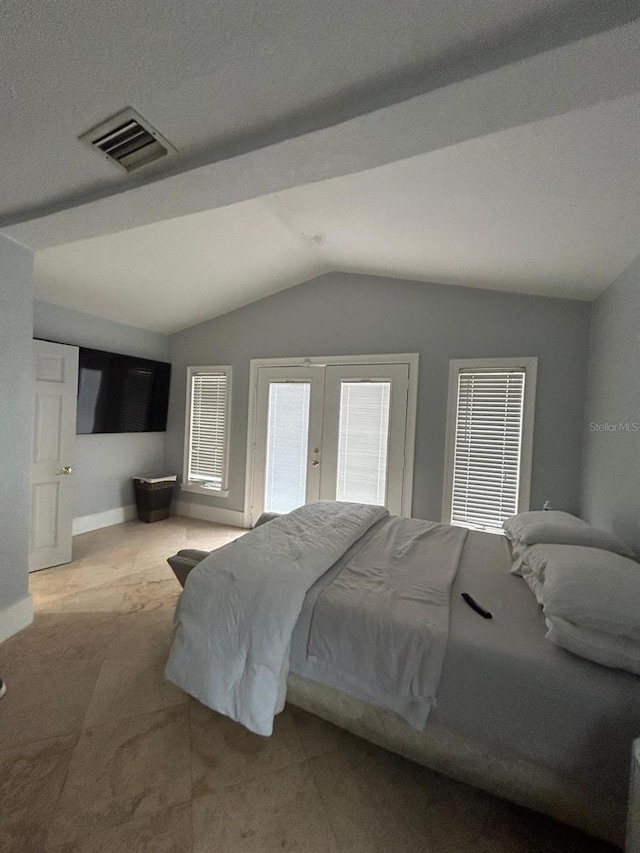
153 499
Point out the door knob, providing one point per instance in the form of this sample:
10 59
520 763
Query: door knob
65 470
315 463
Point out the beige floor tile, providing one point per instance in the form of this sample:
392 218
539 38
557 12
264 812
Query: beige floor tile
89 575
48 583
124 771
31 778
318 736
97 600
224 753
155 561
150 594
141 632
62 636
169 831
136 685
42 700
378 802
128 534
280 811
109 552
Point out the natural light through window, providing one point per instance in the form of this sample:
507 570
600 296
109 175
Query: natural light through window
363 442
488 473
208 415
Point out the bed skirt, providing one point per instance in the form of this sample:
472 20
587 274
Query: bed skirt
483 767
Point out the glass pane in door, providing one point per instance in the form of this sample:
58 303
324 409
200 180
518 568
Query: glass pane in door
287 445
363 442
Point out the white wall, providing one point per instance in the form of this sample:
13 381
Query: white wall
16 307
104 464
342 314
611 465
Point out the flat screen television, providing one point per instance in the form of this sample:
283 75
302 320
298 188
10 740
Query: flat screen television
121 393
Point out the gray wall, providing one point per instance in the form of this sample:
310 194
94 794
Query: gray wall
16 307
104 464
611 467
341 314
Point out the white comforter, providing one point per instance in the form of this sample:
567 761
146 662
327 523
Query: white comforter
239 607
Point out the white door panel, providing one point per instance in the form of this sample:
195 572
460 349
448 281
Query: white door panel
365 411
55 371
288 438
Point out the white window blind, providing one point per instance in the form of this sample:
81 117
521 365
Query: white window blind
488 447
363 442
207 458
287 446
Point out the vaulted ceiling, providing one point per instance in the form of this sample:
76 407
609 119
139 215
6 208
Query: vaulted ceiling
491 144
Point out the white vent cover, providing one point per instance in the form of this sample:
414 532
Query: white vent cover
128 140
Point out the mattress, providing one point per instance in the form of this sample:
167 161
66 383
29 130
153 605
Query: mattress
517 714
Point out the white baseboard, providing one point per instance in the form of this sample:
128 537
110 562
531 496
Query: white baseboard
15 617
231 517
85 523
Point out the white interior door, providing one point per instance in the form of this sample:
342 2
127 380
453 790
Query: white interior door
364 428
55 370
288 438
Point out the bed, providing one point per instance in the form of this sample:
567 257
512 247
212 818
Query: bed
514 714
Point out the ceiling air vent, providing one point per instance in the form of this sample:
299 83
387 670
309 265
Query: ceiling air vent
128 140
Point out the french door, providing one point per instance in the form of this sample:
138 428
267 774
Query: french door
330 432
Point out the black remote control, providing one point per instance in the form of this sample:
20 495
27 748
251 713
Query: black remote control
473 604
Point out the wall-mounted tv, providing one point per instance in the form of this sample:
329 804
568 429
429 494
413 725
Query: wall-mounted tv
120 393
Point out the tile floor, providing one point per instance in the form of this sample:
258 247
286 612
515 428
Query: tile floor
98 754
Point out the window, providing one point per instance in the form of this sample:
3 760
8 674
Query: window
489 441
207 429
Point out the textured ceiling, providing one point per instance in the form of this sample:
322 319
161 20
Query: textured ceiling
216 77
490 144
549 208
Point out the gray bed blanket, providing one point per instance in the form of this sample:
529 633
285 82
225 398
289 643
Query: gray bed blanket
382 623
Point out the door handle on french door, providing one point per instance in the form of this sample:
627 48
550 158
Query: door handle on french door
67 469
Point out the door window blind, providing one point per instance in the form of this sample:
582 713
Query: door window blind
287 446
363 442
208 431
488 445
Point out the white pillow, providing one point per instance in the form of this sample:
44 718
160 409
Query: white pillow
536 583
593 537
533 527
591 588
561 529
524 568
607 649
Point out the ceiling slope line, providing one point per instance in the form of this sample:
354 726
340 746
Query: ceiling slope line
600 68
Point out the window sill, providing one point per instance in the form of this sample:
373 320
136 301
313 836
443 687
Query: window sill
197 489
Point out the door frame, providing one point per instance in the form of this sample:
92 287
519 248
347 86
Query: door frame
412 359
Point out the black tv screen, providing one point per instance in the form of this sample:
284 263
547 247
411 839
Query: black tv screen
120 393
